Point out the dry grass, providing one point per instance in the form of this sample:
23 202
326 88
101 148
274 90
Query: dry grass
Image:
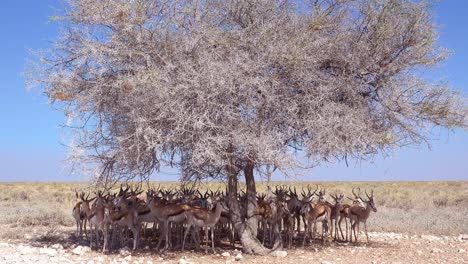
439 208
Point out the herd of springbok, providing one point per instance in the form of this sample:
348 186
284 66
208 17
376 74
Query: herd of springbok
113 218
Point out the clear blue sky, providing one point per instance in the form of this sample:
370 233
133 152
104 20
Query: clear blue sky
30 139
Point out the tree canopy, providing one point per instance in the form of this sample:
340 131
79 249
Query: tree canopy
190 83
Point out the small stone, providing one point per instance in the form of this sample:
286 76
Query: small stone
419 252
149 262
461 250
238 257
124 251
128 258
225 254
436 250
184 260
27 251
315 249
48 251
326 262
57 246
81 250
279 254
91 262
431 238
3 244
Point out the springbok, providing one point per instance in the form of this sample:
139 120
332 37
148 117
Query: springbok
345 211
81 212
78 214
200 217
97 220
163 211
124 213
358 214
335 213
314 213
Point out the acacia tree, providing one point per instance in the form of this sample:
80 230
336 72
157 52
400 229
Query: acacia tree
220 88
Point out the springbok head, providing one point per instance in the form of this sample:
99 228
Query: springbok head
357 200
321 195
371 200
337 198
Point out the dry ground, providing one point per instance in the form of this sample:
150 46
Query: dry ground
416 222
383 248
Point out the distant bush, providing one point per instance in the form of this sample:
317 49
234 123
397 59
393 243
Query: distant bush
440 202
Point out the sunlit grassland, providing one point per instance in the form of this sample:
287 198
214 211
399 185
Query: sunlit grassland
439 208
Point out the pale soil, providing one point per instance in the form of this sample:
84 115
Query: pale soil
383 248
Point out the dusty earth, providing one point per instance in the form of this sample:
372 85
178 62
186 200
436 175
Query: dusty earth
383 248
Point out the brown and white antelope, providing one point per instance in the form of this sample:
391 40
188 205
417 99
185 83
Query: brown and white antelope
335 214
163 211
81 211
358 214
98 220
345 212
314 213
200 217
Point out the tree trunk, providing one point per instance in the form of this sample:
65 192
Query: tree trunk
246 228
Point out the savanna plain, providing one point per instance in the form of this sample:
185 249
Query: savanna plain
416 222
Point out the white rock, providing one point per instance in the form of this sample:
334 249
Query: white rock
81 250
48 251
124 251
461 250
326 262
90 262
279 254
57 246
238 257
27 251
431 238
225 254
184 260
